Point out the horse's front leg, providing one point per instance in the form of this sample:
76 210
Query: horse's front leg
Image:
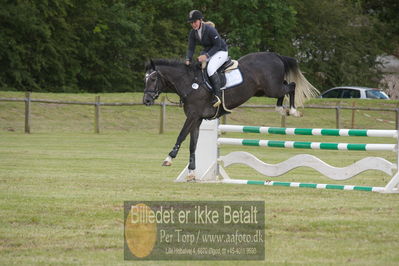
194 134
188 124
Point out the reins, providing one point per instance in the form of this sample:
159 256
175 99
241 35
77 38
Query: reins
165 83
179 102
164 79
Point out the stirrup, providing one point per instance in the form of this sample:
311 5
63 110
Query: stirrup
218 102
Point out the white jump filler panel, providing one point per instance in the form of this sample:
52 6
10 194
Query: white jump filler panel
206 153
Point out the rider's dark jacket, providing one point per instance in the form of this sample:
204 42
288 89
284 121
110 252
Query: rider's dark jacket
210 40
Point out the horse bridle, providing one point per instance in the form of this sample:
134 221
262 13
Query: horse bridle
159 76
156 91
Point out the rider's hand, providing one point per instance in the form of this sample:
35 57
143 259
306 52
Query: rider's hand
202 58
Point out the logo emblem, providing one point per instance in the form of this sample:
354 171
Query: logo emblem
195 86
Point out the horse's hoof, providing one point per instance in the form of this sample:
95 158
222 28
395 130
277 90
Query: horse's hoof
281 110
190 178
167 161
295 113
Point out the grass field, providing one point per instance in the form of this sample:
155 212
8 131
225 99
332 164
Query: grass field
62 187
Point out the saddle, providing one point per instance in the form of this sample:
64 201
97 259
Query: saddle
228 66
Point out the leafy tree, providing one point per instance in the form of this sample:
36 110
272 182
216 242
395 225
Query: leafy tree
163 32
253 25
108 37
33 54
102 45
336 43
387 13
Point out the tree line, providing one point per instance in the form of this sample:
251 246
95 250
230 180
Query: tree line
102 45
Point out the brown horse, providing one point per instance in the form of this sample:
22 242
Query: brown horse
267 74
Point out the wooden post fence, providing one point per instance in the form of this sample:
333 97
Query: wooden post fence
283 121
353 115
162 125
162 118
97 115
27 112
337 116
397 118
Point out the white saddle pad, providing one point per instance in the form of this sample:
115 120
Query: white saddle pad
233 78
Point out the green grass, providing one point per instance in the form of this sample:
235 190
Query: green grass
62 187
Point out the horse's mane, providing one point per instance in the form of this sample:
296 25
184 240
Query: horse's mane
171 63
165 62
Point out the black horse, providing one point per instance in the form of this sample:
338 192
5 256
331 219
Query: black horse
267 74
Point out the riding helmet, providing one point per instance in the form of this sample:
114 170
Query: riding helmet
194 15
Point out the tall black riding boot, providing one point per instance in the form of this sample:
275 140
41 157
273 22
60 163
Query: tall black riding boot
216 89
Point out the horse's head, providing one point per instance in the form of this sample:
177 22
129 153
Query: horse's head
153 86
163 75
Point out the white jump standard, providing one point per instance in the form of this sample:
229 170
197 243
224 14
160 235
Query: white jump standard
210 166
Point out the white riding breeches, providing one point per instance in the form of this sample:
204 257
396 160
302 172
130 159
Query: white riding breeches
216 61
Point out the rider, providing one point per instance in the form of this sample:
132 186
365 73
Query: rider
215 49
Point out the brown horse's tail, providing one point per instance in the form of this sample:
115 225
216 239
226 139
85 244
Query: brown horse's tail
304 90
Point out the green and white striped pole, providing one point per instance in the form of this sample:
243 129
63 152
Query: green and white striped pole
307 145
303 185
309 131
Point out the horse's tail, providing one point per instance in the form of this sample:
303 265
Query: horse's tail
303 90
